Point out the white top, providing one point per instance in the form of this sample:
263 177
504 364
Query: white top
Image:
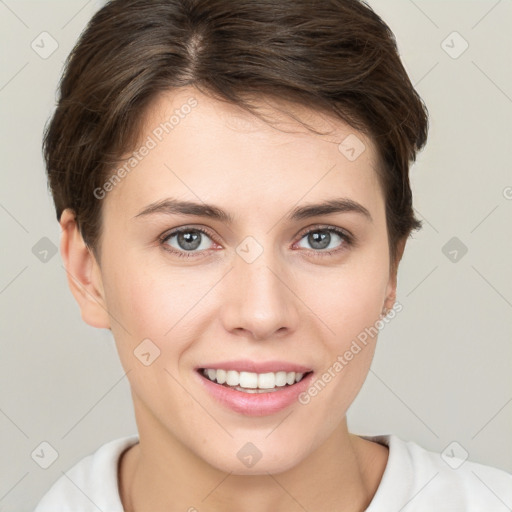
414 480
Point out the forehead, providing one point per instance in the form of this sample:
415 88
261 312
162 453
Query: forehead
198 148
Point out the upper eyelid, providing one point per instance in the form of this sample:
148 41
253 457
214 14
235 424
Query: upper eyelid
324 227
175 231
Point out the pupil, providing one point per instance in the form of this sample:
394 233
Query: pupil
319 239
189 240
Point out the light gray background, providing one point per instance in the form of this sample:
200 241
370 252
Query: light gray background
442 368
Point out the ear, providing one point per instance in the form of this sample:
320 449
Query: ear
392 283
83 272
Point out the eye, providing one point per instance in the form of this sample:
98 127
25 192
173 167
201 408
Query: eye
326 240
186 241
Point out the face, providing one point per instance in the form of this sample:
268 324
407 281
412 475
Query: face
257 283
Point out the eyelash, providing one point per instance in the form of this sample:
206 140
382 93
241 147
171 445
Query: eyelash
348 240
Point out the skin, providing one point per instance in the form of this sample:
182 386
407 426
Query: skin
286 305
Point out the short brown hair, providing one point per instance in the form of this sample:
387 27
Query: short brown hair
333 56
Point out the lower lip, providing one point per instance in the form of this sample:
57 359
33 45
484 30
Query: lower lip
256 404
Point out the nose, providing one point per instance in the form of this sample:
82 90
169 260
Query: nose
258 298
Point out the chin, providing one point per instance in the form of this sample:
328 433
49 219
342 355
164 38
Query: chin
248 459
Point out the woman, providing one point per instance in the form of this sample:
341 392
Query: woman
231 179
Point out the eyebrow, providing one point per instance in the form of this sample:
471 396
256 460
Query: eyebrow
172 206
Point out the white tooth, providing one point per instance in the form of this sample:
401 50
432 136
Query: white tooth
232 378
266 380
244 390
281 379
221 376
290 378
248 380
247 390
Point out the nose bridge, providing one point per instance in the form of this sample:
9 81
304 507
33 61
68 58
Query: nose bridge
258 298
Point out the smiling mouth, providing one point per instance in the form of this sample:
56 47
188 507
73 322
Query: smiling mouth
249 382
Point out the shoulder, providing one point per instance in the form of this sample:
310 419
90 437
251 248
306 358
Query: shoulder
91 484
422 480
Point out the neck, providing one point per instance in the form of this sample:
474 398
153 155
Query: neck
160 473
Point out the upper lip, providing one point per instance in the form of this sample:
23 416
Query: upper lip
257 367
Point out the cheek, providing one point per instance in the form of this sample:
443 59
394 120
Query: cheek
153 302
139 307
349 299
149 335
147 297
350 306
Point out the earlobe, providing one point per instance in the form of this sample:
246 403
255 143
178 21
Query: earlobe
83 273
393 278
